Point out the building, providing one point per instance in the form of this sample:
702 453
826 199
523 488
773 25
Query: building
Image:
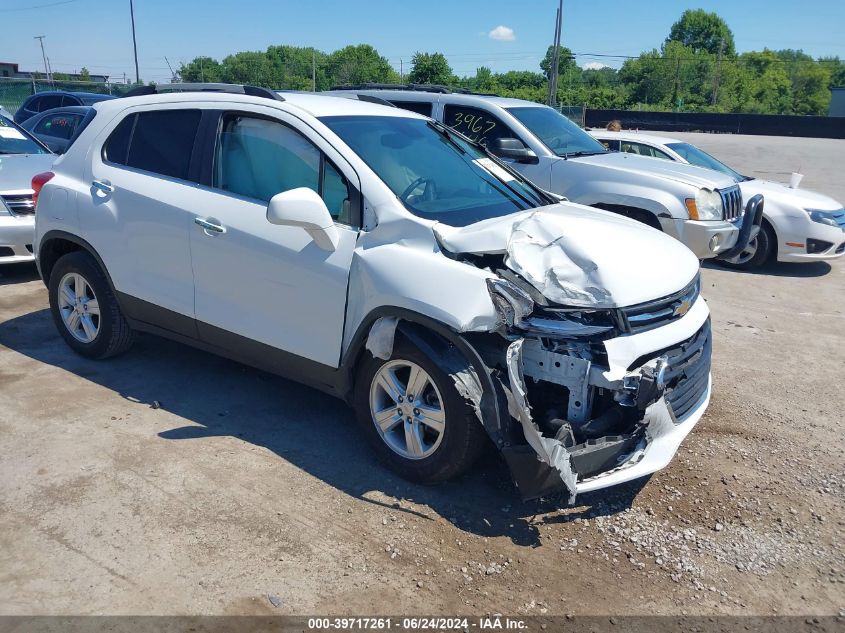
837 102
9 70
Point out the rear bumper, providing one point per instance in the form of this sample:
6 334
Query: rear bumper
16 235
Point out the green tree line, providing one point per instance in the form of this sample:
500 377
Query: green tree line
696 68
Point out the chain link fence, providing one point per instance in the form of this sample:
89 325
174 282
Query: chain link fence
13 92
576 114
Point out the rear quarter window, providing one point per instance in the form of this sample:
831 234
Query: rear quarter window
159 142
420 107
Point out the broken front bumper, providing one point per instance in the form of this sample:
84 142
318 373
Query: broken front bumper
677 355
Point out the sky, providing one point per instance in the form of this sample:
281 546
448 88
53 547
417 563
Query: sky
503 35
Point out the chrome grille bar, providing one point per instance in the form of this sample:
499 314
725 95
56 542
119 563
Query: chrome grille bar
732 202
20 204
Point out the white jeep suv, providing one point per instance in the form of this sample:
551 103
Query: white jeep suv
380 257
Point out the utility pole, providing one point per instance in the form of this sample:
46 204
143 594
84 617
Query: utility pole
718 71
313 70
401 71
677 92
134 43
40 38
555 69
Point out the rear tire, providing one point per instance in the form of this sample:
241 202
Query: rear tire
84 308
757 253
436 458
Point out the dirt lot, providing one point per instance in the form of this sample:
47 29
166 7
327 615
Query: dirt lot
242 487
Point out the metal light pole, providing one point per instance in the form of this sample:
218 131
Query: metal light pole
134 43
555 67
40 38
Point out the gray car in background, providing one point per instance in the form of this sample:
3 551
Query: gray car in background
58 128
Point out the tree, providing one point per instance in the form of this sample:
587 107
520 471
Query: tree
359 64
201 69
251 68
84 75
430 68
836 67
294 65
810 82
566 65
703 32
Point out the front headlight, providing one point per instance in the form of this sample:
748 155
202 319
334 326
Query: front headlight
832 218
512 303
707 205
4 209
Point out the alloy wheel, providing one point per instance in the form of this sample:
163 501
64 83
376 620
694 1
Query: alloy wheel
79 307
407 409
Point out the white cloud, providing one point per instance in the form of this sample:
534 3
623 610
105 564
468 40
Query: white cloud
502 33
594 66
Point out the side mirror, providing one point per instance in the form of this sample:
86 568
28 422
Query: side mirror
513 149
304 208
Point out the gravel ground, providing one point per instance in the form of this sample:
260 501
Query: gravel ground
171 481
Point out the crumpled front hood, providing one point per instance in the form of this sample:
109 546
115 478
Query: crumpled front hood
17 170
579 256
679 172
776 192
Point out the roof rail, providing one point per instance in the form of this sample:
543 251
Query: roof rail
410 87
252 91
414 88
372 99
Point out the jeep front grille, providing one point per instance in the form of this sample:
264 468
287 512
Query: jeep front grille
732 202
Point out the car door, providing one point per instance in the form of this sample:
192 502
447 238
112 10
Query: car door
483 127
259 282
138 211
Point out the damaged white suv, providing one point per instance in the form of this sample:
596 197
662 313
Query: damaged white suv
379 256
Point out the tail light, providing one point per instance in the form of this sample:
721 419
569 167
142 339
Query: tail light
38 181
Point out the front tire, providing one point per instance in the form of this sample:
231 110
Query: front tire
84 308
757 253
414 417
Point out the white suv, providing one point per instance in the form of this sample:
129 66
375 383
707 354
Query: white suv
380 257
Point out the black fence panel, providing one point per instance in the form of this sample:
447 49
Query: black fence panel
763 124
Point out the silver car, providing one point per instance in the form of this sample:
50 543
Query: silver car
21 158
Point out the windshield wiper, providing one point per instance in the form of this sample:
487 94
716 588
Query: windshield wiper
443 131
581 153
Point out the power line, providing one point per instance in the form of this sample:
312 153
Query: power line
37 6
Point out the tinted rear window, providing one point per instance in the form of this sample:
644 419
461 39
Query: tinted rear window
420 107
159 142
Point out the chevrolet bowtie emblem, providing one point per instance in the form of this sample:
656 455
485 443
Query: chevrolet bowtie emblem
682 308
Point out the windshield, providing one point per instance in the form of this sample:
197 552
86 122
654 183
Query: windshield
557 132
435 173
699 158
13 140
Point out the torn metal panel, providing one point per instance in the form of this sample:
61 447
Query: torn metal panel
578 256
380 339
562 369
550 451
